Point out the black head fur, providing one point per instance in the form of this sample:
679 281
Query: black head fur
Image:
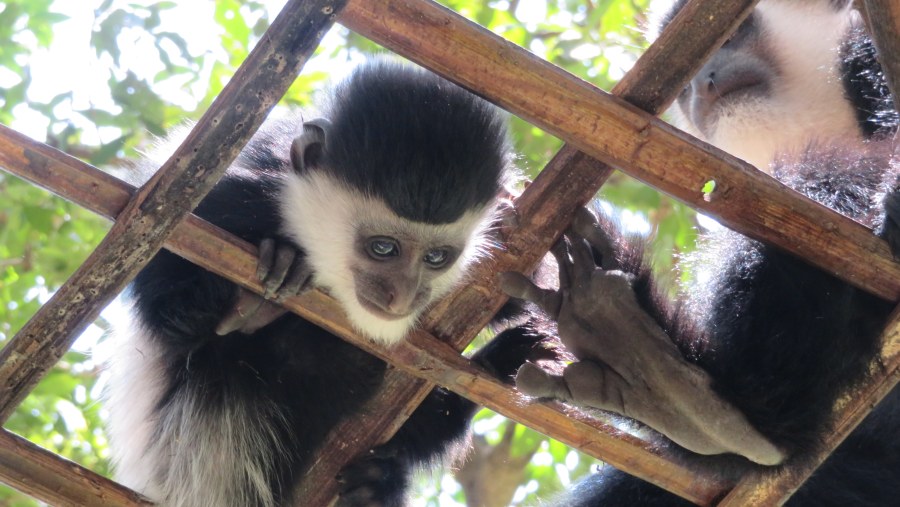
866 87
428 148
670 14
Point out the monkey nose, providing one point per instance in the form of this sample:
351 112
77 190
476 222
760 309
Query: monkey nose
400 301
704 86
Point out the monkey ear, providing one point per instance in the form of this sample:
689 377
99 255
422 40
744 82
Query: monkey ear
309 145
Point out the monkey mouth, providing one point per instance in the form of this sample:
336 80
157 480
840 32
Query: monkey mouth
736 89
380 312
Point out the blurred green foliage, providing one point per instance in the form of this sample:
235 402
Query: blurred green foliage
152 65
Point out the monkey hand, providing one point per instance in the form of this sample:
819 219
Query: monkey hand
628 364
512 348
374 480
283 271
890 226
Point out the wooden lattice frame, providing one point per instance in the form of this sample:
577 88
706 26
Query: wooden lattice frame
619 129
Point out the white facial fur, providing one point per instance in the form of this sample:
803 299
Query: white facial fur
322 215
806 102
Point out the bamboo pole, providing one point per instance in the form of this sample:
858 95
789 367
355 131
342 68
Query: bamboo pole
164 201
58 481
232 258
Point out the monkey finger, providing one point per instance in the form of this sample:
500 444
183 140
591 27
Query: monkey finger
583 265
519 286
284 259
242 311
597 385
587 225
508 217
561 252
364 481
298 281
266 258
532 381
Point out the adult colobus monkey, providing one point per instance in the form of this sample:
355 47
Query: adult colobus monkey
217 399
797 92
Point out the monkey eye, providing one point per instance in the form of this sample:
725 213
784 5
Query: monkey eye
382 248
436 257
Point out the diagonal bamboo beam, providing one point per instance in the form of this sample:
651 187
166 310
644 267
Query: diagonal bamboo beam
621 135
569 180
428 357
58 481
767 488
164 201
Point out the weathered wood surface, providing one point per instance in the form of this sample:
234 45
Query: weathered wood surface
164 201
426 357
766 488
62 174
680 51
58 481
691 157
621 135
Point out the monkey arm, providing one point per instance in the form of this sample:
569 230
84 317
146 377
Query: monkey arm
439 422
628 364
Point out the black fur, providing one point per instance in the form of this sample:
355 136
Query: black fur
440 152
782 340
427 178
866 87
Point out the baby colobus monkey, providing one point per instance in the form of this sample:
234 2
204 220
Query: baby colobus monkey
797 92
218 398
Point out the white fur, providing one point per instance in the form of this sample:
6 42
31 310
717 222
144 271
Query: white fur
217 457
139 171
135 386
236 437
807 98
322 215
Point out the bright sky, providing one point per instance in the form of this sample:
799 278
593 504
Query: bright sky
86 75
71 64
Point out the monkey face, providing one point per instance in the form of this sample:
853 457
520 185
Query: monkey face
775 86
393 277
384 269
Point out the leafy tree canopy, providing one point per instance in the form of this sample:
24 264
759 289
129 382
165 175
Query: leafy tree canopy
99 79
